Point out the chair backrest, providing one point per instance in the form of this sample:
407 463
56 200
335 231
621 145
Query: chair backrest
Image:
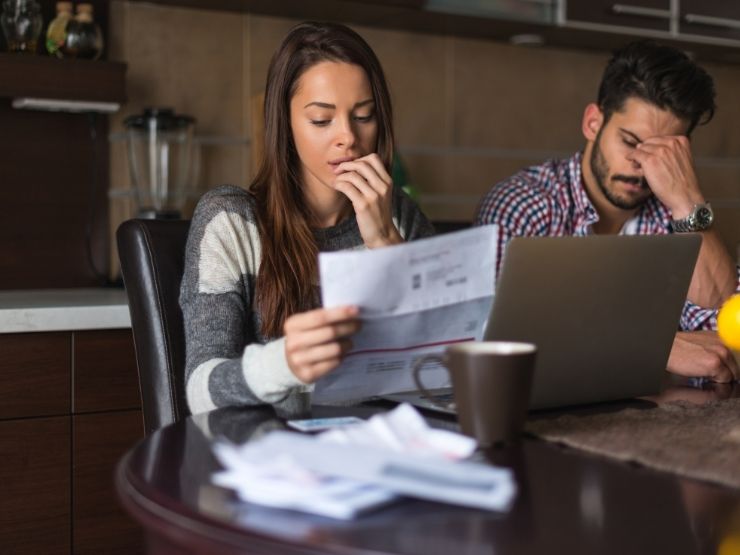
152 255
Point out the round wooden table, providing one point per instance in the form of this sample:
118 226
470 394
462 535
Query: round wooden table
568 502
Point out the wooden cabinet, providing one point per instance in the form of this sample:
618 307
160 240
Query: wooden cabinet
99 523
685 20
35 503
105 374
35 374
710 18
638 14
55 169
710 29
70 409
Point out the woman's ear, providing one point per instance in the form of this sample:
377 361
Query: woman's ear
593 118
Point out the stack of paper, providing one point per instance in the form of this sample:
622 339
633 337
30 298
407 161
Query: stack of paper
343 473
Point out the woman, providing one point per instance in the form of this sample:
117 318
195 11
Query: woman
250 289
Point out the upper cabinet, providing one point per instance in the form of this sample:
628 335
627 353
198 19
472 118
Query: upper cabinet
718 19
536 11
709 28
50 78
689 21
637 14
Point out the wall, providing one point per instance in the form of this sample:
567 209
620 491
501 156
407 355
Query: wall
468 112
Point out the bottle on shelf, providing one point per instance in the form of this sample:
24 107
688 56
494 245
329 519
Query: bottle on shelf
21 22
84 37
56 33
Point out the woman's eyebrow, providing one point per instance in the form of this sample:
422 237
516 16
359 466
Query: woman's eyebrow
333 107
321 105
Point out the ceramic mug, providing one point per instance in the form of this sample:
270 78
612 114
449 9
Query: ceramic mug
492 383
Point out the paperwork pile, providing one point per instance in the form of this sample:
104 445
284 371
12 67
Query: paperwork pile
342 473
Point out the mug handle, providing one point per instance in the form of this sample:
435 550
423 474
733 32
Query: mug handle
416 369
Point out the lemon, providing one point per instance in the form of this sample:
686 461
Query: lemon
728 323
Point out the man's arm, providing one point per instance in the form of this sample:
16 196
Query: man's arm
668 167
715 276
702 354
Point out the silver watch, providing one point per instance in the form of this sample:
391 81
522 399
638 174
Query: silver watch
700 219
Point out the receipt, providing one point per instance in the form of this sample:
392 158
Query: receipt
415 299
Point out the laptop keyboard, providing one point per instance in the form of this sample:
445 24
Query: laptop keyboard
443 398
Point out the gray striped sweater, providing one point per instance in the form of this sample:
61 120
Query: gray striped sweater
228 361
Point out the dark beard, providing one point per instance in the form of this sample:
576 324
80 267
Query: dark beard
600 171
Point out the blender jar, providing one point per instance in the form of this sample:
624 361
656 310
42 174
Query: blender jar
161 161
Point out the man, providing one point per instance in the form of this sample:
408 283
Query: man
635 176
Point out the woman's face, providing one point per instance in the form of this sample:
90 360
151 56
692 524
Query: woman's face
332 116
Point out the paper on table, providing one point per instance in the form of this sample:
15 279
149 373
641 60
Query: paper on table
414 299
345 472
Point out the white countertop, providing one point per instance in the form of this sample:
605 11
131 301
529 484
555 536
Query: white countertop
63 310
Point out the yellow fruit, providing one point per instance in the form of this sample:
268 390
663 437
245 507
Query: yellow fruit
728 323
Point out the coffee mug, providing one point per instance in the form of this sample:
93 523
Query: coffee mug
492 382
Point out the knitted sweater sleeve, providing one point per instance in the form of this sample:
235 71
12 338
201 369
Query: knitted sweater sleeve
226 363
410 221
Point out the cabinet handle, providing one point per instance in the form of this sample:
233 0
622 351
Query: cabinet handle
712 21
626 9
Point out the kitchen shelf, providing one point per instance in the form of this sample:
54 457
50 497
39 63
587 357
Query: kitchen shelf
37 76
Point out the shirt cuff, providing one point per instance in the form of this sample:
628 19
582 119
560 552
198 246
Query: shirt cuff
267 373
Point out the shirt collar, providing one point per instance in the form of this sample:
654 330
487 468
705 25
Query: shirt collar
585 213
654 216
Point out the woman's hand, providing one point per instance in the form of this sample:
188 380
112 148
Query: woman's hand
316 341
370 189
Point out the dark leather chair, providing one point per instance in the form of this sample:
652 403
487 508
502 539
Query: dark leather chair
152 255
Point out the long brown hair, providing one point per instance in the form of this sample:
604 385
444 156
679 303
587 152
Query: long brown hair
287 273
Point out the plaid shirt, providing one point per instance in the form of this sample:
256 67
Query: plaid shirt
550 200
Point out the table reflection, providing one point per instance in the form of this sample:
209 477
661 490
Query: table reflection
567 501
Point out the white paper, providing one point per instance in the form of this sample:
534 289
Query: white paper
301 457
415 299
345 472
404 430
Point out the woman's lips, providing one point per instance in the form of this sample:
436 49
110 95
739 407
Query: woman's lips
335 163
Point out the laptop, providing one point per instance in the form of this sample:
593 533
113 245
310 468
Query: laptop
602 310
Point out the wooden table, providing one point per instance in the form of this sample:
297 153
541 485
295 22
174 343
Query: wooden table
568 502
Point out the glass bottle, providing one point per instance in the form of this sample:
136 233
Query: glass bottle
84 38
56 33
21 22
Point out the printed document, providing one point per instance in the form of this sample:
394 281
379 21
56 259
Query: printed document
348 471
415 299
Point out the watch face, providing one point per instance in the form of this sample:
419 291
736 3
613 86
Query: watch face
704 217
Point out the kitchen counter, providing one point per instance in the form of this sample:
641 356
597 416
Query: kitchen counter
63 310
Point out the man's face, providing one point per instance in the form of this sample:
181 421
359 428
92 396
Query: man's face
619 180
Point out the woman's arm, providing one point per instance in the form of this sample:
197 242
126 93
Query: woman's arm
227 361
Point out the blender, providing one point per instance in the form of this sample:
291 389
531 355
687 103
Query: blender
162 161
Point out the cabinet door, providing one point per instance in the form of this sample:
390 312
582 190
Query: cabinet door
638 14
36 375
99 523
714 18
35 499
105 374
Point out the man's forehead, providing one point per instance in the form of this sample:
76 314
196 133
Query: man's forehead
645 120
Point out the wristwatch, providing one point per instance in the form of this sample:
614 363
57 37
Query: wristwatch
700 219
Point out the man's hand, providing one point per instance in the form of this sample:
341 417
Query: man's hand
668 167
702 354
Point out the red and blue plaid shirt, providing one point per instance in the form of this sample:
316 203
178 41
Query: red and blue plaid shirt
550 200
